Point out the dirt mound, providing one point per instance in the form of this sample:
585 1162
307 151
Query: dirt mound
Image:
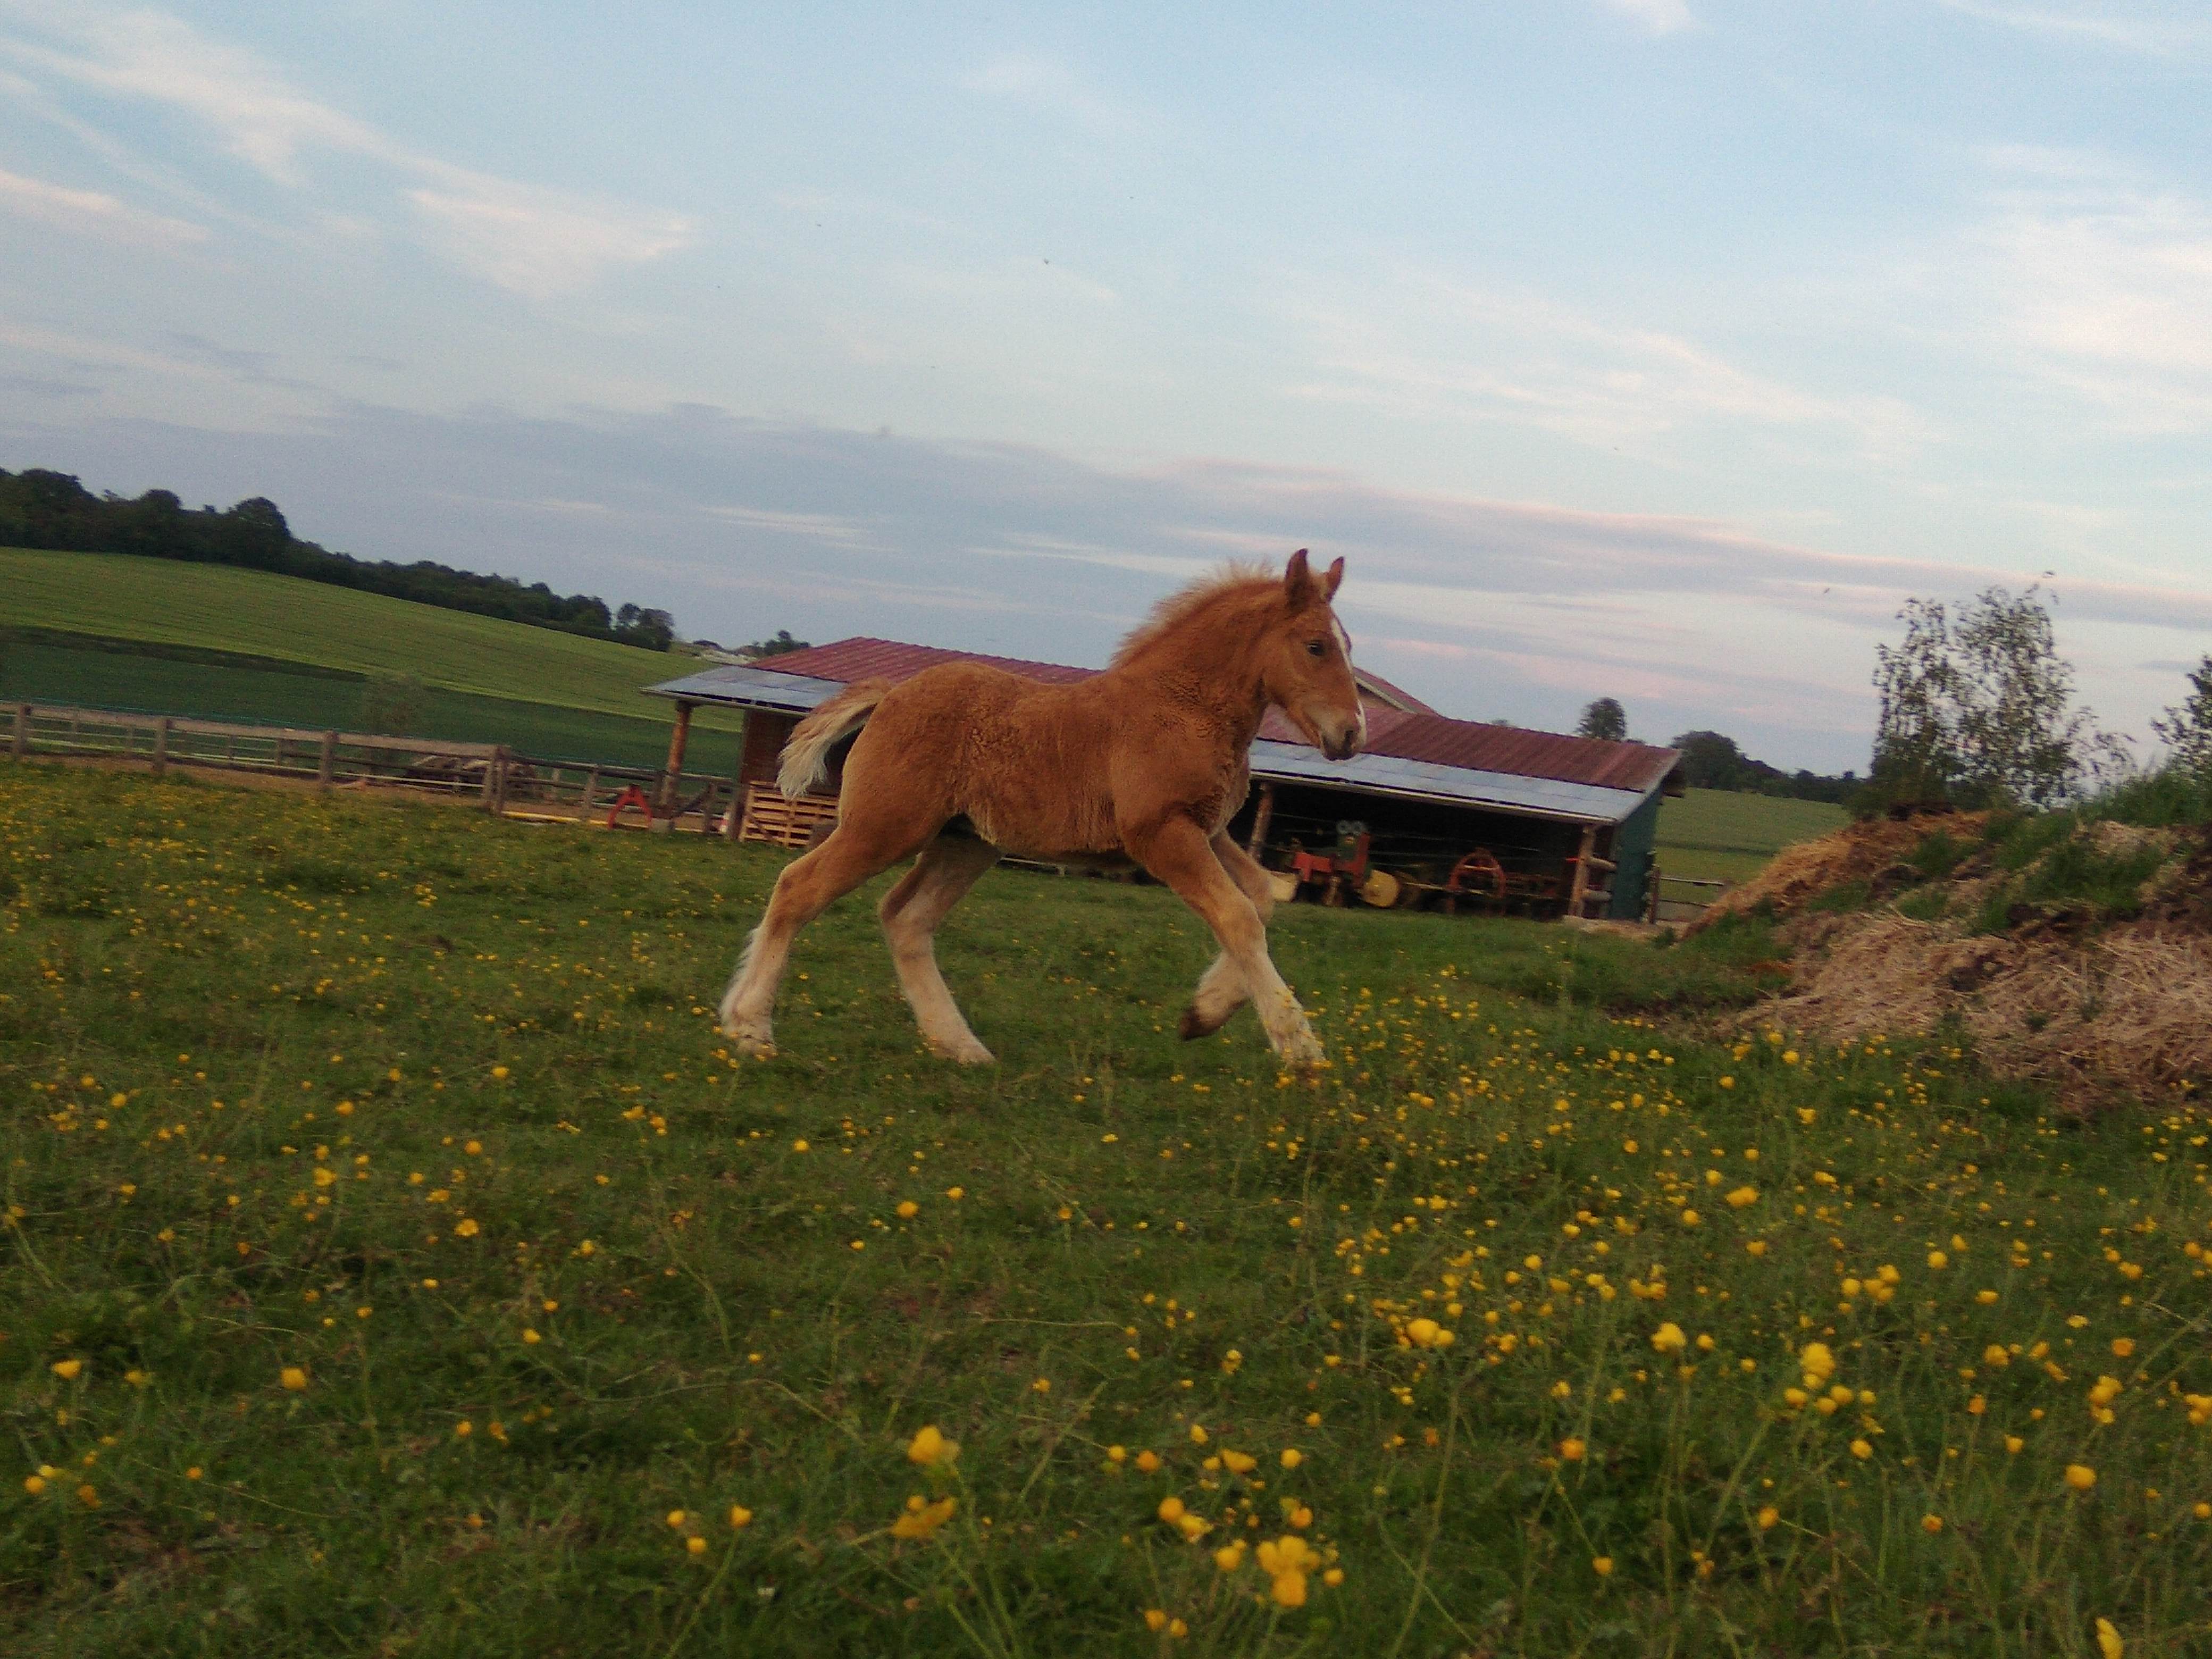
2104 1001
1863 851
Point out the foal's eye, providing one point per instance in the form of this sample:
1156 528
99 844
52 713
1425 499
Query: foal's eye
1316 648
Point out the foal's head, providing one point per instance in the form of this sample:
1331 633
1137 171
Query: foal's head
1306 662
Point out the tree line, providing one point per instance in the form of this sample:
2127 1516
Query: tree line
1711 760
44 509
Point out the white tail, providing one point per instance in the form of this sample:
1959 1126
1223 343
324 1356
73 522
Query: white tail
806 762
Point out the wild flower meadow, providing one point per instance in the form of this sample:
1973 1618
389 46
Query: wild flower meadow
396 1260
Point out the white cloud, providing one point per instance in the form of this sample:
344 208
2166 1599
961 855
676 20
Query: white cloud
93 213
2124 27
540 243
530 240
1425 346
1655 16
2101 282
1041 83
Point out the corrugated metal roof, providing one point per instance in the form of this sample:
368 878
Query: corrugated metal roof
1408 752
1394 695
862 659
1425 781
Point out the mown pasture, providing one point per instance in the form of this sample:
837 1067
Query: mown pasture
396 1260
1718 835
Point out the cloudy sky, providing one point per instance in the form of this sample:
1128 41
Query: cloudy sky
1650 348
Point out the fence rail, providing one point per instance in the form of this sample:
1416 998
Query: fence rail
494 775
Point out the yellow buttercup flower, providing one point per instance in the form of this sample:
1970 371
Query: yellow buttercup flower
2081 1476
930 1449
1669 1338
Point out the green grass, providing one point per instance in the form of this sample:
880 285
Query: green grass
252 613
212 686
1717 835
380 1091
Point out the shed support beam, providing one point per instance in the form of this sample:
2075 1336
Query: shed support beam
1580 890
1261 814
671 775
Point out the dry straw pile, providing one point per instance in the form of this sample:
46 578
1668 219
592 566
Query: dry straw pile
2104 1008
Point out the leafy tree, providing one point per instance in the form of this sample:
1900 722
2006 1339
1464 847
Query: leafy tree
2186 728
1605 719
1979 707
1711 760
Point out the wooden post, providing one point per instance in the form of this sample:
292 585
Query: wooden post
495 783
328 764
1581 886
591 789
671 774
736 811
21 746
161 745
1261 814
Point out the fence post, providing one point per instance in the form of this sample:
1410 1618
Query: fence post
494 789
161 745
591 789
21 747
328 765
737 804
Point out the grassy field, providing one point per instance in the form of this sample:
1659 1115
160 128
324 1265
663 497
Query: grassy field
252 613
396 1261
1715 834
212 686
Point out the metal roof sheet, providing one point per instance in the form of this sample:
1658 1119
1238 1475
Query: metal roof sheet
1427 781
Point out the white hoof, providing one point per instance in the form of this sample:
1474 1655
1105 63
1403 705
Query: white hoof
967 1052
756 1037
1299 1047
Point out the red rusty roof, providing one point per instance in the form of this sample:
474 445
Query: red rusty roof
846 660
1419 734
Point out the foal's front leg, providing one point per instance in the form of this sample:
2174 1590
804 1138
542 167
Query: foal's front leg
1221 991
1178 853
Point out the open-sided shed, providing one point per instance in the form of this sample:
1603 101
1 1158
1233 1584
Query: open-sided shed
1450 811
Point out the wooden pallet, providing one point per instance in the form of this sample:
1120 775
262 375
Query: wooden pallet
770 817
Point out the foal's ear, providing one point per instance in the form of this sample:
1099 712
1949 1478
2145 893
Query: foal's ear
1331 579
1297 581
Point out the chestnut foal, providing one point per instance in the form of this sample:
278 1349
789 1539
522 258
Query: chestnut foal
963 763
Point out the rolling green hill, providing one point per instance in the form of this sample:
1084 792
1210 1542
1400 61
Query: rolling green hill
253 613
228 643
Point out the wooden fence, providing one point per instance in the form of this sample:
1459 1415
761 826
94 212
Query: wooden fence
492 775
1669 903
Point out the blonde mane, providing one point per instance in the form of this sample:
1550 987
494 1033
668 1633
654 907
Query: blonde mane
1236 582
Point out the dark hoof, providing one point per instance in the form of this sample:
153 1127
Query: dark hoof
1193 1026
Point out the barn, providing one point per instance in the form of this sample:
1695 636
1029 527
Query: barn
1435 812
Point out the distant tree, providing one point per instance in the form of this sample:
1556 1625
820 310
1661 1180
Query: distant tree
1711 760
1605 719
2186 728
774 646
1979 707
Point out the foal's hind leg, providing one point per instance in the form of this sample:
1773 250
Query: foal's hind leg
1221 990
807 887
940 878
